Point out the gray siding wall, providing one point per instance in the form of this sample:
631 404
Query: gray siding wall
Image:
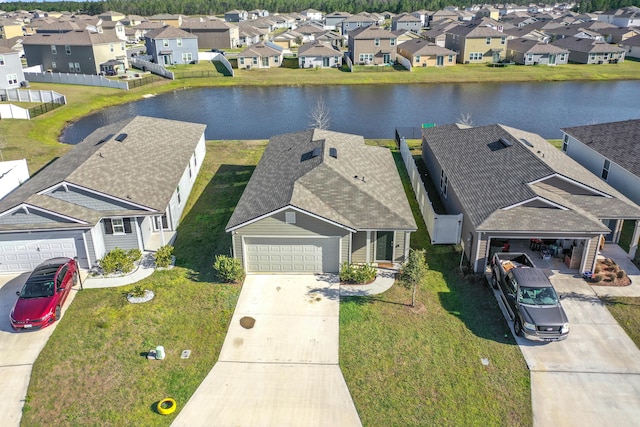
345 248
154 47
122 241
89 200
236 244
33 217
398 246
91 249
41 54
359 254
186 185
12 65
589 261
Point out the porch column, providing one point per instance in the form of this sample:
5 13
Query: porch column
634 240
161 231
368 246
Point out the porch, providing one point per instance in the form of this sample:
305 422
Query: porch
158 239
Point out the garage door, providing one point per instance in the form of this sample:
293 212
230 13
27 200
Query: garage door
292 255
25 255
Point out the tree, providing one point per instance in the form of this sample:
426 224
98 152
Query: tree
414 271
319 117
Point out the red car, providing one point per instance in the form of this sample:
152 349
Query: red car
43 294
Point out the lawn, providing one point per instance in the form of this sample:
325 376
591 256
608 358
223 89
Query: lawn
626 311
92 370
423 366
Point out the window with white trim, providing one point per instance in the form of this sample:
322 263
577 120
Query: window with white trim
488 40
276 59
53 65
605 169
366 57
290 217
242 60
67 49
417 58
187 57
503 40
376 42
450 58
179 42
118 225
165 42
111 47
392 42
12 79
2 60
475 56
254 60
178 194
54 50
565 143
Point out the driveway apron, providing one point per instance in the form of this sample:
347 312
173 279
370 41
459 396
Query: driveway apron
593 377
279 362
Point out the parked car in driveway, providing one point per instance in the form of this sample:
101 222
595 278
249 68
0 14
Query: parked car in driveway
41 299
529 297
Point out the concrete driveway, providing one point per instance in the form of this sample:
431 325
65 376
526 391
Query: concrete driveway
593 377
18 351
283 369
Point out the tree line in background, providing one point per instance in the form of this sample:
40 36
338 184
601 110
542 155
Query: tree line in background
217 7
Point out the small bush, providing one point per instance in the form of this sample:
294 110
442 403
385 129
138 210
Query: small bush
597 270
357 273
620 274
228 269
611 277
137 291
596 278
163 256
119 261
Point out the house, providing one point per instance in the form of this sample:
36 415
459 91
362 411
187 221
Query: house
372 46
514 185
422 53
260 55
356 22
312 14
587 51
533 52
257 13
167 19
112 16
115 26
406 21
80 51
11 74
319 54
610 151
623 17
169 45
10 28
618 35
632 46
289 39
476 44
405 35
212 33
333 20
527 33
236 15
422 15
317 199
12 174
125 185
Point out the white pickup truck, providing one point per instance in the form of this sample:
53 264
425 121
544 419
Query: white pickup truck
529 297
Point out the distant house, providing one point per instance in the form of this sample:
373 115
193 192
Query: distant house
125 185
406 35
356 22
422 53
532 52
169 45
212 33
260 55
298 212
167 19
112 16
623 17
587 51
10 28
12 174
406 21
312 14
333 20
115 26
289 39
80 52
236 15
11 74
318 54
372 46
476 44
632 46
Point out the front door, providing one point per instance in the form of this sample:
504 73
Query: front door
552 59
440 61
325 61
386 58
265 61
384 246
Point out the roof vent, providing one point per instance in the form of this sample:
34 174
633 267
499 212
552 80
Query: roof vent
525 142
121 137
504 142
333 152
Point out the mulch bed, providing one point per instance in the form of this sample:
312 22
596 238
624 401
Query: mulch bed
604 268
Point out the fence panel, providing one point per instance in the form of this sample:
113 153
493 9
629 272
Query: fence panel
443 229
406 63
75 79
152 67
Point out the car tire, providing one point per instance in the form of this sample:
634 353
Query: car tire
494 281
58 313
517 327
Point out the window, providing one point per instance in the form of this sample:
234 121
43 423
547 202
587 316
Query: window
376 42
111 47
276 59
366 57
67 49
605 169
444 183
190 171
12 79
488 40
503 40
122 47
53 65
165 42
187 57
392 42
417 59
290 217
1 60
117 225
72 67
565 143
178 195
450 58
54 51
160 220
60 277
179 42
242 60
475 56
254 60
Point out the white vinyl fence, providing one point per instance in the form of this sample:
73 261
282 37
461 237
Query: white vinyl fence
75 79
443 229
152 67
48 99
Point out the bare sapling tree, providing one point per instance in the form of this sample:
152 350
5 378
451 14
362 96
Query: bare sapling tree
414 271
319 117
465 119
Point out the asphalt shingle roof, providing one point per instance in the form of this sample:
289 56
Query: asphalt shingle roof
360 189
617 141
169 32
72 38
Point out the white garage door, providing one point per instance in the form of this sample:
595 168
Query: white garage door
292 255
25 255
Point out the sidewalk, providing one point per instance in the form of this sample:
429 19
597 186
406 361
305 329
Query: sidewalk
142 271
385 279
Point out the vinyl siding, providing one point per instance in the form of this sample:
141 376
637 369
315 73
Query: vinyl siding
89 200
398 246
122 241
33 217
90 247
591 253
359 254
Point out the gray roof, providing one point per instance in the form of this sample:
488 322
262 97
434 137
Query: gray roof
617 141
515 186
370 33
72 38
423 47
318 48
169 32
360 189
586 45
533 46
142 169
475 31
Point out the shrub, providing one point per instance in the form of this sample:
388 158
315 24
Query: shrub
119 261
596 278
357 273
611 277
620 274
163 256
228 269
137 292
414 271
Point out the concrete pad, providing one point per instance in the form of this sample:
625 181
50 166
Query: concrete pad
261 394
585 399
13 390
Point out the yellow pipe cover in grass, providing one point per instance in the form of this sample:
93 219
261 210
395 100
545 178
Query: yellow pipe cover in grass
166 406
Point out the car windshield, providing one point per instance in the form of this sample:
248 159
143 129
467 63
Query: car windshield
538 296
38 287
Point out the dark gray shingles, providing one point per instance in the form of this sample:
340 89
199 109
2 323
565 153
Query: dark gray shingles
617 141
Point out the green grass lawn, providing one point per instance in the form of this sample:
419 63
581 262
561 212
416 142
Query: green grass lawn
423 366
626 311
